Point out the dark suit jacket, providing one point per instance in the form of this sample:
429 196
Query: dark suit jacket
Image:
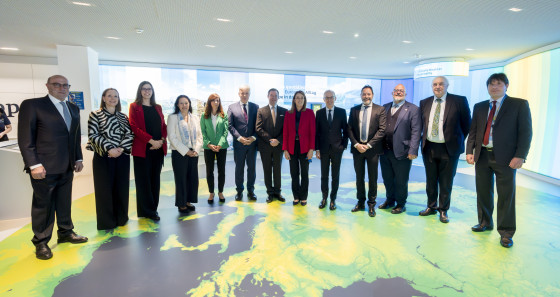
238 126
456 122
43 137
512 132
406 136
306 132
334 135
138 125
376 130
267 130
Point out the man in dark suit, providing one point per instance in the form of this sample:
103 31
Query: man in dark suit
500 137
270 121
366 128
331 139
446 121
49 141
400 145
242 117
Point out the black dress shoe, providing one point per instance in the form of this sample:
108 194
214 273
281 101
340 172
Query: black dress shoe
443 217
386 205
303 202
269 199
43 252
332 206
481 228
154 218
183 209
252 197
506 242
296 202
239 196
210 201
191 207
398 210
371 209
280 198
358 207
72 238
323 203
222 199
428 211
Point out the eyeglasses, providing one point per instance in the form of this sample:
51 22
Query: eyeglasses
398 91
146 89
329 97
57 85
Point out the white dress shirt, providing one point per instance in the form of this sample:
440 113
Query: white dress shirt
439 138
360 117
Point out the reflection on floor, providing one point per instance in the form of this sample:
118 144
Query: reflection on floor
260 249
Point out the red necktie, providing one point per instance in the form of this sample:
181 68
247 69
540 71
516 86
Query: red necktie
245 112
489 123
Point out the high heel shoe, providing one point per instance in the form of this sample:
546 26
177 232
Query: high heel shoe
211 198
303 202
221 198
296 202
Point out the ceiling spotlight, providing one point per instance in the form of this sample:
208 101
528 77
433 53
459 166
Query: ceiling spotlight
288 52
356 35
82 3
328 32
417 56
469 49
407 41
9 48
353 58
113 37
210 45
406 62
515 9
223 20
139 31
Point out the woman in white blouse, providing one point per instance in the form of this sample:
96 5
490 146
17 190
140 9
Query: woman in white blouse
185 137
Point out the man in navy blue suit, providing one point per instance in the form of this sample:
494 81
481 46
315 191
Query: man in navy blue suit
400 147
242 118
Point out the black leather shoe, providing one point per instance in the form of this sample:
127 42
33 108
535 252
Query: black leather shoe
398 210
269 199
222 199
239 196
252 197
481 228
443 217
191 207
332 206
154 218
506 242
296 201
371 209
323 203
280 198
303 202
358 207
428 211
386 205
183 209
210 201
42 251
72 238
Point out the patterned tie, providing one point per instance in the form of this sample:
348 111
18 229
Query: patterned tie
330 117
273 111
489 123
435 122
245 112
67 117
363 135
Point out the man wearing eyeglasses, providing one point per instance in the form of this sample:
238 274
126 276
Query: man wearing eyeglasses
49 141
400 147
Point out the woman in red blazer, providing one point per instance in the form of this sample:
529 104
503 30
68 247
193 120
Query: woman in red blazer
148 149
298 144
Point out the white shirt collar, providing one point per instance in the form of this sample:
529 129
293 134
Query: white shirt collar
442 97
55 100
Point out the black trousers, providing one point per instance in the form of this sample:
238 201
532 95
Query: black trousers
185 171
271 158
395 174
360 160
486 168
220 157
330 158
147 172
299 165
440 171
51 196
111 181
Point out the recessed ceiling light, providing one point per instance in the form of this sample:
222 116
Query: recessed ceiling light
407 41
356 35
113 37
328 32
515 9
353 58
9 48
469 49
406 62
288 52
210 45
81 3
223 20
139 30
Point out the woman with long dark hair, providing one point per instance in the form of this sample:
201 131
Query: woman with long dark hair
185 138
148 149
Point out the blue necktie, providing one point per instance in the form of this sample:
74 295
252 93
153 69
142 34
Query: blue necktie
364 124
67 117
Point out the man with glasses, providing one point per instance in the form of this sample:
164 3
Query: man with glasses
400 147
49 141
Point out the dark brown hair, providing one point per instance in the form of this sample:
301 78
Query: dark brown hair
139 94
208 109
294 108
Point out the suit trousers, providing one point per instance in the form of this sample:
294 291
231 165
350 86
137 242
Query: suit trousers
245 154
51 196
395 174
185 171
147 172
360 160
440 171
485 169
330 158
271 158
299 165
220 157
111 181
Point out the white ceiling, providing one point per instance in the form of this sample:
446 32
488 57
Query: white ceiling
260 32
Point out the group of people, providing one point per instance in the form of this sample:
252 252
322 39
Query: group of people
498 142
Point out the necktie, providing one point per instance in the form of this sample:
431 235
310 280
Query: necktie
363 135
394 109
435 122
489 123
330 117
245 112
272 110
67 117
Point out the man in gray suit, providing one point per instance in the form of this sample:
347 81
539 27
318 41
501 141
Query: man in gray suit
400 147
242 118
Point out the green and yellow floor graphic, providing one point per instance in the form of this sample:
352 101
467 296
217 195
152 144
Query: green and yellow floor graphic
277 249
